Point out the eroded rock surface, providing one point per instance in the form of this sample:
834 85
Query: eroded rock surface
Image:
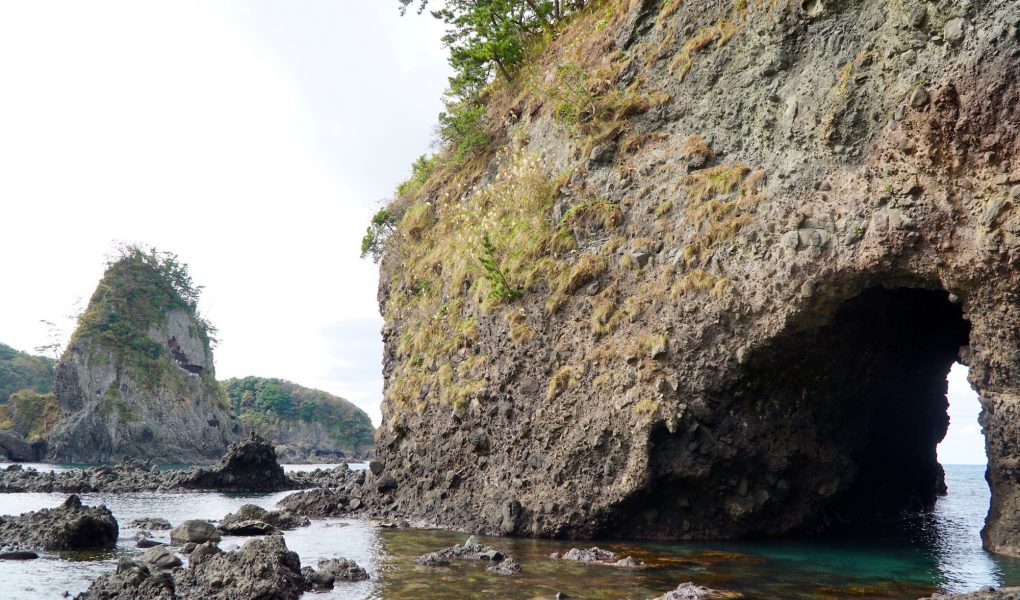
137 380
70 526
261 569
750 289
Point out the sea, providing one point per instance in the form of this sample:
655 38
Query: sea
925 553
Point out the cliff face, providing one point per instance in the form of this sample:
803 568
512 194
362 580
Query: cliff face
305 425
137 380
737 247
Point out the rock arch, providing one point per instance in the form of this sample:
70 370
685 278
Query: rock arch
833 425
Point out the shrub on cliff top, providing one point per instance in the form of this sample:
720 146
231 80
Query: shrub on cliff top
140 286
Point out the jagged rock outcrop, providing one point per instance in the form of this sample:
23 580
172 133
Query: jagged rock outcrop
137 380
262 568
722 295
70 526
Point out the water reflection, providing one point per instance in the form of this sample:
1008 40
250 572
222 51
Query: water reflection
940 550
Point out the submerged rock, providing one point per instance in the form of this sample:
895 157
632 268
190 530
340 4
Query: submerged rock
507 566
68 527
471 549
689 591
985 593
596 555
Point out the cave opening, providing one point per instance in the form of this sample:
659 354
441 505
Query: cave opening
830 427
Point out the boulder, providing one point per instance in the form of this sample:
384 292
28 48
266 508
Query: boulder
247 527
68 527
195 531
160 557
342 569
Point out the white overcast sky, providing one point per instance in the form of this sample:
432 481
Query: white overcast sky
254 139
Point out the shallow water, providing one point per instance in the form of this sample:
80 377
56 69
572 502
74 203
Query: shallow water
937 551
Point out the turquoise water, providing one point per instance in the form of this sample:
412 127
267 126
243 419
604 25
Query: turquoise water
936 551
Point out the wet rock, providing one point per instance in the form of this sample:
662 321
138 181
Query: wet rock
689 591
68 527
508 566
200 552
249 465
342 569
148 543
132 580
432 559
247 528
18 555
160 557
194 530
317 580
471 549
262 568
985 593
283 520
150 524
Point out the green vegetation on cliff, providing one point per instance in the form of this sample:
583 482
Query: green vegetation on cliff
268 405
139 288
30 413
19 370
501 238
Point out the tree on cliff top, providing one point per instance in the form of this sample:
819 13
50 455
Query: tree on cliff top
138 288
484 35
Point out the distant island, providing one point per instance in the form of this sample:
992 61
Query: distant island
137 382
307 425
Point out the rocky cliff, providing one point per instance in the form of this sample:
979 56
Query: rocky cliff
137 379
20 371
305 425
709 273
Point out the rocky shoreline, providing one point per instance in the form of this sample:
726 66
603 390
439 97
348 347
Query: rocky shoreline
248 466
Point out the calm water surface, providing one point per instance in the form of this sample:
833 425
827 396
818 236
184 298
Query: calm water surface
940 551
